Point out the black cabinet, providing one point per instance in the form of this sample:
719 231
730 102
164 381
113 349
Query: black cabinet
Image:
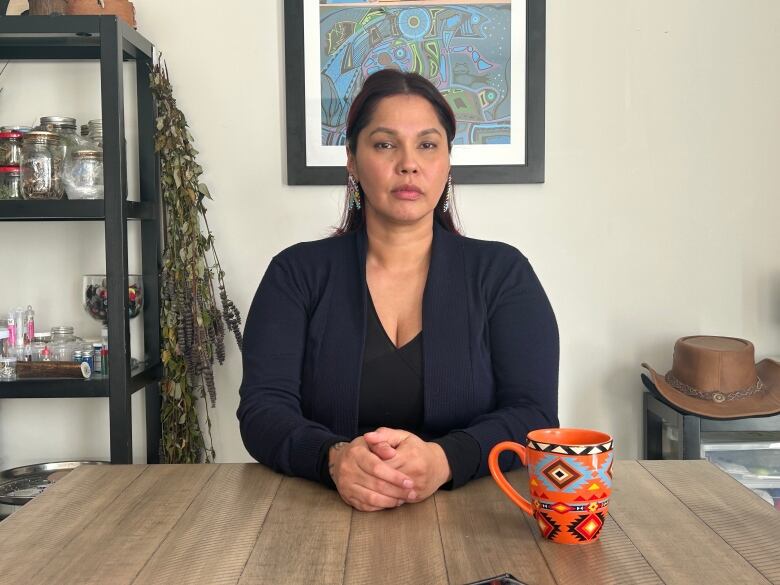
748 449
111 42
672 434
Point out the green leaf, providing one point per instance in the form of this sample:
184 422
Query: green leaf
203 188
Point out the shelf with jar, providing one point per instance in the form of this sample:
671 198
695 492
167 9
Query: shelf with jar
112 43
51 161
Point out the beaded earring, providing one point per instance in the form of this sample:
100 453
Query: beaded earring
353 192
446 205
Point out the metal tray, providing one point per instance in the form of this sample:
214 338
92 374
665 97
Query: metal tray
21 484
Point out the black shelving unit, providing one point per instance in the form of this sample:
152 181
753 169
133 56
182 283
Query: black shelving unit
111 42
688 428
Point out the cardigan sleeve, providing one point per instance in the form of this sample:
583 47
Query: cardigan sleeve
273 428
524 353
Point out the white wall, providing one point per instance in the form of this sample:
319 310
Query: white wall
656 220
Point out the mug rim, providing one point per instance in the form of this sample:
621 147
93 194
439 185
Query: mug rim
600 437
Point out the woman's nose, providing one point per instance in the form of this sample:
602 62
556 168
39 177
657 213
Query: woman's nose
408 162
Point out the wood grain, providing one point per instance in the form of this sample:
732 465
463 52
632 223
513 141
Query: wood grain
484 534
212 541
402 545
672 522
303 539
676 542
741 518
114 547
35 534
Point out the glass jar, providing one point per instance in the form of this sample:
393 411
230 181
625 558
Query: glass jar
65 128
7 369
42 166
10 149
95 134
3 341
22 129
40 347
10 183
63 342
83 174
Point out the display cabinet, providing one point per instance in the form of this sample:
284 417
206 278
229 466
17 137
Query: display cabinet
110 42
748 449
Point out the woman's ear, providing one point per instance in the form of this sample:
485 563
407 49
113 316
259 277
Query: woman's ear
351 167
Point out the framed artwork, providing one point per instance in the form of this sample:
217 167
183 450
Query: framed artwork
487 57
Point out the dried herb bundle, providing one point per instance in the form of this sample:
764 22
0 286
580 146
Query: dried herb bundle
193 331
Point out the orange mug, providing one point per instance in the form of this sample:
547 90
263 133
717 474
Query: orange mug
570 481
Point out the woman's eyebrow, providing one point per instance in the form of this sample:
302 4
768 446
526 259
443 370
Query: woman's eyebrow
394 133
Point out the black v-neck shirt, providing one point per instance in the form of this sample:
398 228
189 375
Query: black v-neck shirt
391 388
392 395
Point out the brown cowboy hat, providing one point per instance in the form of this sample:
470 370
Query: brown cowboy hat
716 377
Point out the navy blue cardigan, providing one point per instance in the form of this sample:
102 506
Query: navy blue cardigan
490 349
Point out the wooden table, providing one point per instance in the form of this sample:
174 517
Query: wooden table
670 522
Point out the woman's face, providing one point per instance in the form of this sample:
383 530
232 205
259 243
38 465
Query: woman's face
402 160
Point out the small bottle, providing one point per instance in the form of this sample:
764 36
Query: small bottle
19 328
97 349
46 354
29 332
11 333
104 352
88 357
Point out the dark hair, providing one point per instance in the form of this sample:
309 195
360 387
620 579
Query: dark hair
376 87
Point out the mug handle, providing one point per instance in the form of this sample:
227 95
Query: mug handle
497 474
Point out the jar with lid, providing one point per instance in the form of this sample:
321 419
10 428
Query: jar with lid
22 129
63 342
83 174
95 134
10 183
10 149
40 347
65 128
42 166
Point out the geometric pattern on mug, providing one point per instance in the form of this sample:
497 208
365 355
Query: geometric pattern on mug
563 476
562 508
547 526
586 527
604 471
571 449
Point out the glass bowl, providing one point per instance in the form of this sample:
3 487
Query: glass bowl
95 297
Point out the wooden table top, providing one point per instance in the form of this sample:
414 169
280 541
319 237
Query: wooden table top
669 522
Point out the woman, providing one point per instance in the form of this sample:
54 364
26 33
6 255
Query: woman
388 360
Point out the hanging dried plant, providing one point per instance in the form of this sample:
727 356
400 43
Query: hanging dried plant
192 329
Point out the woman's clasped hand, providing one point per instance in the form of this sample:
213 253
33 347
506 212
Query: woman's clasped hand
386 468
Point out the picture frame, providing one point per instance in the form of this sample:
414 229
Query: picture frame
469 49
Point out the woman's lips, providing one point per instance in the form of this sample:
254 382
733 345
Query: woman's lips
407 193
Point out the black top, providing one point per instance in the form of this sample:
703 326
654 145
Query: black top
392 395
391 387
490 350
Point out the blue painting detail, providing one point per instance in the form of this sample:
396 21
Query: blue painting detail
464 50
